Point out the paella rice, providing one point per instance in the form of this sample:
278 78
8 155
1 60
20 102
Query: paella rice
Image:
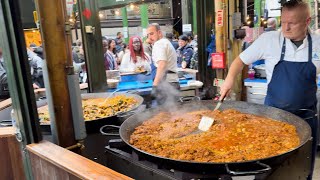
234 137
97 108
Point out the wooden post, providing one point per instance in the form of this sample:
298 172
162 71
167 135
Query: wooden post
57 45
235 47
221 26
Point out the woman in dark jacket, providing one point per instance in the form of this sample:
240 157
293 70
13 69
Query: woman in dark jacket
184 52
110 56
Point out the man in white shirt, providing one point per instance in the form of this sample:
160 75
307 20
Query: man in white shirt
292 63
165 60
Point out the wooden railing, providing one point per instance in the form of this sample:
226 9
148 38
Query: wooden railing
50 161
10 155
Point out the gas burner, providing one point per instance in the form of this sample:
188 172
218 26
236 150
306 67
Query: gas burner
125 160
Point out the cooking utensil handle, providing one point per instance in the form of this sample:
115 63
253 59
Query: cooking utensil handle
110 127
124 114
265 167
189 98
223 98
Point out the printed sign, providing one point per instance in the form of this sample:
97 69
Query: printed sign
69 7
186 28
220 18
217 60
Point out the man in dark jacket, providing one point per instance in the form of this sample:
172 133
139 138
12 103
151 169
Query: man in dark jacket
184 52
119 42
175 44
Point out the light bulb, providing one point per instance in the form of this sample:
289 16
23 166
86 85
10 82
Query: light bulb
101 15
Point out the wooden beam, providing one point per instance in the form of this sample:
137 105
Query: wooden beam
8 102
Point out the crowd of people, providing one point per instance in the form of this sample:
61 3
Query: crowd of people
35 59
137 55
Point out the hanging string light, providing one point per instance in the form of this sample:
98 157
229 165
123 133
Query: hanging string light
101 16
132 6
117 12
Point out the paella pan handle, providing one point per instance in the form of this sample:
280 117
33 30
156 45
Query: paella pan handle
306 114
265 168
108 130
127 114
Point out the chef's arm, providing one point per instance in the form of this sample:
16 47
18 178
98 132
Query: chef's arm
161 70
235 69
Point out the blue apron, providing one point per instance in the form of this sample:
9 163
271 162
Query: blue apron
293 88
293 84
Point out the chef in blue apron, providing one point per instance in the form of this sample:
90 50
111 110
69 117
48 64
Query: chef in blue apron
292 64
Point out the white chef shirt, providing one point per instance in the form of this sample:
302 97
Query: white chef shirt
163 50
268 47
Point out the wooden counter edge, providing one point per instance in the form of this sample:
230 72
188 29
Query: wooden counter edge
72 162
6 132
6 103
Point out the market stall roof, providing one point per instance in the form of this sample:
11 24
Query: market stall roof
107 4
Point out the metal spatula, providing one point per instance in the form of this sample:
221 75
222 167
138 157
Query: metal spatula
206 122
204 125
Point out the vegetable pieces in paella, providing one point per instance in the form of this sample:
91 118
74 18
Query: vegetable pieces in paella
97 108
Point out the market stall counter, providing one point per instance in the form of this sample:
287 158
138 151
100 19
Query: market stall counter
142 83
144 88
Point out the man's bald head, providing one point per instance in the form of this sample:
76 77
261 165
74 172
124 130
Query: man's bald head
272 22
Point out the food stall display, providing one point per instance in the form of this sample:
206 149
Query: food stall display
32 36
